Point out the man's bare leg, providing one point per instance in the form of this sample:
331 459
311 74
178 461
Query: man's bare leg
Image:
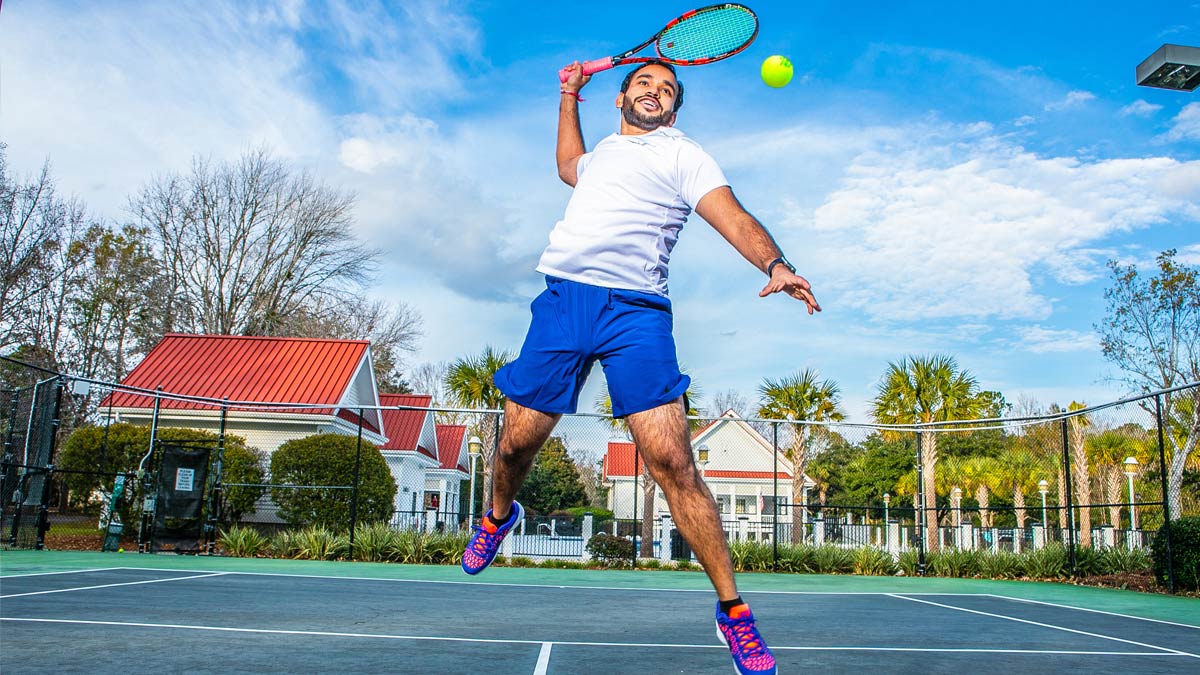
525 431
665 442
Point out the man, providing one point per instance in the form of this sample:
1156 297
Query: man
606 299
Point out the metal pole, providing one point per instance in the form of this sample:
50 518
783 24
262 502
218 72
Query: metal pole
354 494
1166 502
637 473
1132 508
775 495
920 515
146 476
1066 449
214 494
471 512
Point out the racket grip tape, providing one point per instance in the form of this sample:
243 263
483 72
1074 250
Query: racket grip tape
589 67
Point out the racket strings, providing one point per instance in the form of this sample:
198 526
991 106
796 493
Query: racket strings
708 34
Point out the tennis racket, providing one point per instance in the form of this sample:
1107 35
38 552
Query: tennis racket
697 37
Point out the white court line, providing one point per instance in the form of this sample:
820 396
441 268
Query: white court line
555 586
44 574
125 583
546 646
1095 611
543 661
1047 625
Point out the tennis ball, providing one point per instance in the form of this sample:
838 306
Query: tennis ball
120 550
776 71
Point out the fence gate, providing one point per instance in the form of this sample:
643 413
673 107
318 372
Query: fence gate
181 495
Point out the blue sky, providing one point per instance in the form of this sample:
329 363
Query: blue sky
951 177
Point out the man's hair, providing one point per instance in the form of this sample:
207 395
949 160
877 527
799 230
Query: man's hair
657 62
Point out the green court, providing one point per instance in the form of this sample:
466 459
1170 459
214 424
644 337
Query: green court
65 612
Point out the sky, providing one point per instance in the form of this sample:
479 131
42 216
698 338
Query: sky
951 177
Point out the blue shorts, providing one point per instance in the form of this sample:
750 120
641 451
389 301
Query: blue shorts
573 326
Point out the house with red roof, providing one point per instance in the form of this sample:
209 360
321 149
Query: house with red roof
750 481
268 389
427 459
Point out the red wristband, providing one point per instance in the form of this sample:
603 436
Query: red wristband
572 93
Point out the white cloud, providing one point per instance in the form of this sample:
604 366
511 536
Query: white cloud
1074 99
1139 108
940 225
1041 340
1186 125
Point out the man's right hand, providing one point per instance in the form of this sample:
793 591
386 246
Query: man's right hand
577 80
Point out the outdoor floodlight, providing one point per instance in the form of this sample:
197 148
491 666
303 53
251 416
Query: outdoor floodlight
1171 67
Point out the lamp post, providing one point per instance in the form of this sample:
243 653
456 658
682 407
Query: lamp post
474 449
887 500
1043 487
702 459
1131 469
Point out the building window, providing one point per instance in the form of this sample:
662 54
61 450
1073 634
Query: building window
722 504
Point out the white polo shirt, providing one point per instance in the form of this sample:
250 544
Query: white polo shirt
631 199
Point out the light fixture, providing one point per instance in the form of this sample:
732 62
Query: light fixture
1171 67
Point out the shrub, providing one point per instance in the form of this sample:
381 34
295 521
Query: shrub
285 544
1049 562
374 543
909 563
1001 565
558 563
611 550
319 543
243 542
329 459
871 561
1120 559
799 559
1184 555
954 562
751 556
687 566
830 559
1090 562
598 514
521 561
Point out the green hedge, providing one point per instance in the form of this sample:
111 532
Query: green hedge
1185 553
328 460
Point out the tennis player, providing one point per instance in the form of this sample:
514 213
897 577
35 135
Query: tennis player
606 300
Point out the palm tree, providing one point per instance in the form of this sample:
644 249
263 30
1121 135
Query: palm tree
1020 473
801 397
979 475
469 383
924 389
1080 473
1106 453
603 405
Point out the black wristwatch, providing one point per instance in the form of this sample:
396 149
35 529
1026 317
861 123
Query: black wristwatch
780 261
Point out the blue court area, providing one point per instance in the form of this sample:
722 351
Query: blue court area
213 616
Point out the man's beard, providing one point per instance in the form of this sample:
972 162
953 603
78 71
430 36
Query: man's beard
643 121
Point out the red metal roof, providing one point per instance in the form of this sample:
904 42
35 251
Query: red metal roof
244 368
404 426
450 440
619 463
620 460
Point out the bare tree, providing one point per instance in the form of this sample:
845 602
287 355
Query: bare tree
1151 331
393 330
246 245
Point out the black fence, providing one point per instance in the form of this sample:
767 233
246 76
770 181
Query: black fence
157 471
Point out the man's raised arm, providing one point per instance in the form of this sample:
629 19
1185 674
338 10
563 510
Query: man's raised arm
570 134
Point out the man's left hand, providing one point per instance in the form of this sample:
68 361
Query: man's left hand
783 280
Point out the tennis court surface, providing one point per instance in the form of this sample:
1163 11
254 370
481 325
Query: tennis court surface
64 612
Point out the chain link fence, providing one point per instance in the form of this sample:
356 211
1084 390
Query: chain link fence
154 471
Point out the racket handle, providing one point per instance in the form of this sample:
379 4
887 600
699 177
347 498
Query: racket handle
589 67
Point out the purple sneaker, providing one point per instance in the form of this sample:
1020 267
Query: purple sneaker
485 542
737 631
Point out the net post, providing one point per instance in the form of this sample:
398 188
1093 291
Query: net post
1070 506
921 514
354 494
1166 489
146 478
